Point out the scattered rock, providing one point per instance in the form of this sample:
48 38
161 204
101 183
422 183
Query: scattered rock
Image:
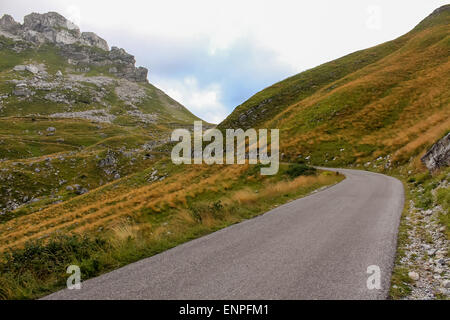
446 284
81 190
31 68
19 68
413 275
21 89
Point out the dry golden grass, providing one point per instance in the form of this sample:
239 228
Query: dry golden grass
283 187
245 196
123 232
248 196
91 213
424 139
112 209
403 103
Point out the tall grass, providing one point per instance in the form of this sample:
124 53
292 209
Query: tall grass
126 227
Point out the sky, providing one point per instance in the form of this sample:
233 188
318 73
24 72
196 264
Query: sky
211 55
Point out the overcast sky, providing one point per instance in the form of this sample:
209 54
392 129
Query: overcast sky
213 55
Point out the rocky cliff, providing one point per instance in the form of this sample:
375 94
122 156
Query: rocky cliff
439 154
79 48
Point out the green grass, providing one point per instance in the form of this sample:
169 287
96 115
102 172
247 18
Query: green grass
400 281
22 277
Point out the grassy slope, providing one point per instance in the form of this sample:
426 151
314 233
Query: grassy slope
379 109
25 144
389 99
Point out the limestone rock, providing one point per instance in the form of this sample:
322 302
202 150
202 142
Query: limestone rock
439 154
94 40
76 47
31 68
7 23
19 68
21 89
413 275
49 21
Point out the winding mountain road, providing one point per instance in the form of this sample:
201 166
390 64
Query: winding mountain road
317 247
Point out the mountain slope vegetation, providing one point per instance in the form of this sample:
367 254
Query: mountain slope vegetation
74 114
389 100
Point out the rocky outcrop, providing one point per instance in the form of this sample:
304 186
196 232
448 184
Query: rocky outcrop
41 28
48 21
439 154
122 64
94 40
80 49
8 24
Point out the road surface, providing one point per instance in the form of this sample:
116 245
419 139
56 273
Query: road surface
317 247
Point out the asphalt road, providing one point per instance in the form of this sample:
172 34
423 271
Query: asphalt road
317 247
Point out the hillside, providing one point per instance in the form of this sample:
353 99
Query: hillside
389 102
74 114
379 109
85 169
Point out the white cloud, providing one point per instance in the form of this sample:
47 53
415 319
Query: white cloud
298 34
204 102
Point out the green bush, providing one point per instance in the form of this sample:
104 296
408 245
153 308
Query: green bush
300 169
199 211
43 262
443 198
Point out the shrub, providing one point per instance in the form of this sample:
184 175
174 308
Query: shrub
201 211
299 169
443 198
39 261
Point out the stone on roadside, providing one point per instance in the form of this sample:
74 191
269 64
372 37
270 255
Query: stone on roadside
413 275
